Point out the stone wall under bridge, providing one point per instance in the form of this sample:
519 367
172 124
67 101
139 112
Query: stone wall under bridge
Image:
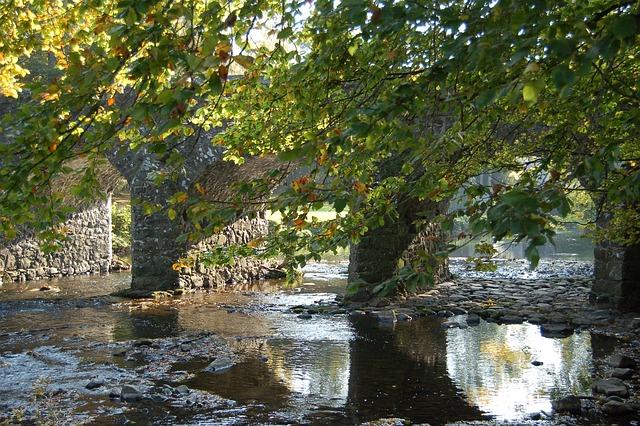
243 270
86 250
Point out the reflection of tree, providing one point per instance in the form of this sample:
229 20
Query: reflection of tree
319 368
402 373
492 364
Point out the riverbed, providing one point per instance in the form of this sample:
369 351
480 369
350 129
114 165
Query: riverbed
72 354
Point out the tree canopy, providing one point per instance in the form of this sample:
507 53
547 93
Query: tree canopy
375 101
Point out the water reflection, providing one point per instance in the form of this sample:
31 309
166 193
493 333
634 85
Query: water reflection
492 365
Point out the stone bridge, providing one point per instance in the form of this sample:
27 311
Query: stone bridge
155 246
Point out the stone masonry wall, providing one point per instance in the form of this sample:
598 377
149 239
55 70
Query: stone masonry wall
242 271
617 275
86 251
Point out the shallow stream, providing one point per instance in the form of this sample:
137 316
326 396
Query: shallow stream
271 366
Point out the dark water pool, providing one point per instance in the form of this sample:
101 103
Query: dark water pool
323 370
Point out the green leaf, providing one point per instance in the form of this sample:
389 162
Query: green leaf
623 26
339 204
530 93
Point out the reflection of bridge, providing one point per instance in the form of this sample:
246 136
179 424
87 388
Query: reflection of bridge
379 372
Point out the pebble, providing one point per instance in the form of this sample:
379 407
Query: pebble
94 384
130 393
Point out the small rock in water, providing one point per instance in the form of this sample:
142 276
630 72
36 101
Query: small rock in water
183 390
305 316
511 319
617 408
130 393
115 393
556 330
537 363
622 373
45 288
142 342
264 358
451 324
610 387
94 384
220 364
473 319
403 317
621 361
570 404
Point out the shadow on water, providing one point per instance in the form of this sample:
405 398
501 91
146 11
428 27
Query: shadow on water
327 369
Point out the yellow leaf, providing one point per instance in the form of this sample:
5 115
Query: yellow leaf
360 187
222 50
254 243
199 188
244 60
181 197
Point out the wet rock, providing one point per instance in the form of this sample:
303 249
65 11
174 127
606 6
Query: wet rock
115 393
142 342
621 361
458 311
473 319
223 362
556 330
622 373
385 317
403 317
570 404
120 353
617 408
183 390
611 387
537 363
45 288
450 324
511 319
535 416
130 393
305 316
94 384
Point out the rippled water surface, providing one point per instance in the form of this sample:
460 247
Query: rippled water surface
329 369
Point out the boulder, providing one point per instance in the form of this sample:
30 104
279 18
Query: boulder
621 361
130 393
610 387
617 408
569 404
622 373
